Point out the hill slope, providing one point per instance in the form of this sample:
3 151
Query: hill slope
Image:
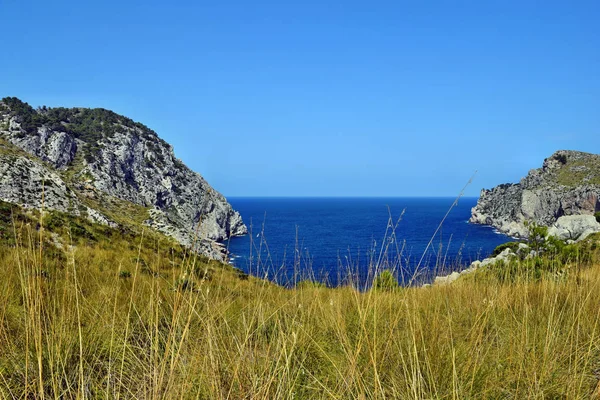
567 184
96 163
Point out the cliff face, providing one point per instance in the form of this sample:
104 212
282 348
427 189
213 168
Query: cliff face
567 184
86 157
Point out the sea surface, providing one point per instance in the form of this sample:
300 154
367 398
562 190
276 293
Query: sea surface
335 240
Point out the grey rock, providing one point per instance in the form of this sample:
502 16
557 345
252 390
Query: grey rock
574 227
23 181
54 147
445 280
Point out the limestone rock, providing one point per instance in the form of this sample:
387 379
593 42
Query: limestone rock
445 280
505 255
574 227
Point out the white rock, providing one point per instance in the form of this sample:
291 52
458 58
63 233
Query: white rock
444 280
574 227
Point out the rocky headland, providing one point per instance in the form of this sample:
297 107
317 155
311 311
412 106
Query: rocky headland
108 168
567 185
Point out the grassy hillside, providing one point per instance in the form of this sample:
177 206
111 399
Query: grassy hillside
131 315
576 169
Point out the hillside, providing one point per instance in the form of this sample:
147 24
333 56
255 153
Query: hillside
88 311
110 169
567 184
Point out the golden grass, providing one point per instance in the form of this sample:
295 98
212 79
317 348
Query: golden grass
132 320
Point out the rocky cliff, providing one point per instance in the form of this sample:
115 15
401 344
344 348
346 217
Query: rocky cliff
96 163
567 184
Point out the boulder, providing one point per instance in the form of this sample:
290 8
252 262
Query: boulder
574 227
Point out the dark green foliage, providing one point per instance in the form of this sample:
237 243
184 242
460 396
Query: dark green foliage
385 280
124 274
514 246
597 215
74 227
562 158
537 234
29 119
241 274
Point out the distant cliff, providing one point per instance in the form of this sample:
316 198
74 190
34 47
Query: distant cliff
567 184
96 163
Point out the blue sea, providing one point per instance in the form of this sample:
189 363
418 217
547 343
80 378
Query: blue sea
334 240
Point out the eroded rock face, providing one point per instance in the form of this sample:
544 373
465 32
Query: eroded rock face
23 181
54 147
146 172
79 151
567 184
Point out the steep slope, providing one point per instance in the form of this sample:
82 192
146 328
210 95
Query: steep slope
567 184
87 159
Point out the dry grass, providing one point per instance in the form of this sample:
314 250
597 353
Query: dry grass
133 320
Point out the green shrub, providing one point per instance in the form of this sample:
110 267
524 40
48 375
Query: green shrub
562 158
514 246
385 280
536 235
597 215
124 274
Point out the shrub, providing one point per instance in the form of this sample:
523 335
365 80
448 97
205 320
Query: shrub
562 158
124 274
385 280
536 235
514 246
597 215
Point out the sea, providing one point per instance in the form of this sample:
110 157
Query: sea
338 241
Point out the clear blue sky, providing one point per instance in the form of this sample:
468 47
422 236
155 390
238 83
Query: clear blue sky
320 98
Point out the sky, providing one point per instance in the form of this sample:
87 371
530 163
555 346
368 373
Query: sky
324 98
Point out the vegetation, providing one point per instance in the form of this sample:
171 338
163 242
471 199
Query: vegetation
123 314
576 172
597 215
385 280
513 246
536 235
562 158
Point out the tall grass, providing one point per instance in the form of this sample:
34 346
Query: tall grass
131 318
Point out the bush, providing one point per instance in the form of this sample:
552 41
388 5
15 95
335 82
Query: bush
514 246
385 280
536 238
562 158
124 274
597 215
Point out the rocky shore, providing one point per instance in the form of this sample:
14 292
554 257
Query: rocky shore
567 184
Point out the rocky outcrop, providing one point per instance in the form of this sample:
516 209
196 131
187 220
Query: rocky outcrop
505 255
567 184
75 153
